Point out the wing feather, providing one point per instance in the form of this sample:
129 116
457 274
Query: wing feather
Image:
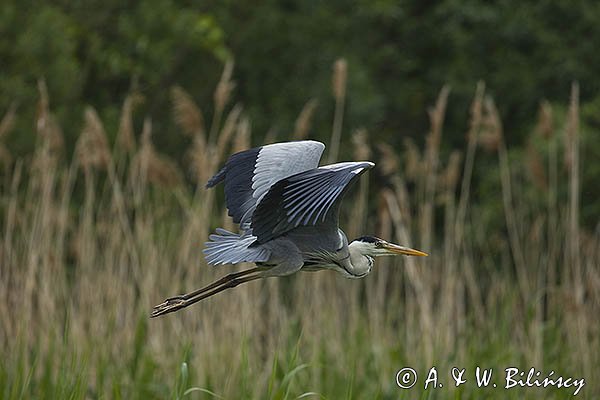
309 198
249 175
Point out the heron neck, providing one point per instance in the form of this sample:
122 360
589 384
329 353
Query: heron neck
360 264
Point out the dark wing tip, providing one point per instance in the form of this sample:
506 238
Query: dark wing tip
218 177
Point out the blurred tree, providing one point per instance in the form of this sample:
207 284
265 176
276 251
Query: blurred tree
93 52
399 53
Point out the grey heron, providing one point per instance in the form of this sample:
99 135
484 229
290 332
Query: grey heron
287 208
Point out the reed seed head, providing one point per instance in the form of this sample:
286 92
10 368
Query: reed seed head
304 120
92 149
340 74
126 135
224 87
186 112
545 124
360 140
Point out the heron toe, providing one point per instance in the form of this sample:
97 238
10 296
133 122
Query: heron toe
167 306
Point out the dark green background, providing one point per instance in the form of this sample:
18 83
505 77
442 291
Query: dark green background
399 55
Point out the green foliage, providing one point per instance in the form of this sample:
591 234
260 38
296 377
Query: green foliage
401 53
368 375
97 52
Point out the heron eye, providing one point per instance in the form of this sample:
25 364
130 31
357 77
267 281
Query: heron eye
378 244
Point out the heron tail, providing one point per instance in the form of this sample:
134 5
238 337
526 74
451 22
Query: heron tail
227 247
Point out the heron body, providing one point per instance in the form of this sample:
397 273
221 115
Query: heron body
287 208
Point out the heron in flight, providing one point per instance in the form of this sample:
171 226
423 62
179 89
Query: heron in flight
287 208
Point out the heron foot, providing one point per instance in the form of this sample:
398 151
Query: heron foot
169 305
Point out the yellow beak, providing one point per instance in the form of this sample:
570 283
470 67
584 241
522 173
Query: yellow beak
406 251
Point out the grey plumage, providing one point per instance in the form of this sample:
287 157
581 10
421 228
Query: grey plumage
227 247
274 189
248 175
287 208
309 198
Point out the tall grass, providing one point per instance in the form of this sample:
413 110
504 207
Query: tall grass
90 243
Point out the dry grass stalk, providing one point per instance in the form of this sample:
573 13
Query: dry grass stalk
92 149
229 128
149 166
5 156
163 171
11 221
403 199
490 137
360 140
202 160
8 121
422 291
535 166
186 113
577 293
43 106
436 121
455 249
489 141
6 126
495 126
304 120
241 140
225 86
125 142
198 160
338 82
362 151
546 129
545 124
413 166
384 222
572 162
271 135
46 125
340 74
472 139
93 152
221 98
436 118
389 162
451 175
450 288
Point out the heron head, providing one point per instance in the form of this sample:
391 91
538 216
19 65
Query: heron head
374 246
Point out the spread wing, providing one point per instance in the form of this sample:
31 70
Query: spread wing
309 198
249 175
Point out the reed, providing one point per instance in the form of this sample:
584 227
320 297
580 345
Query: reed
87 248
338 86
304 120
